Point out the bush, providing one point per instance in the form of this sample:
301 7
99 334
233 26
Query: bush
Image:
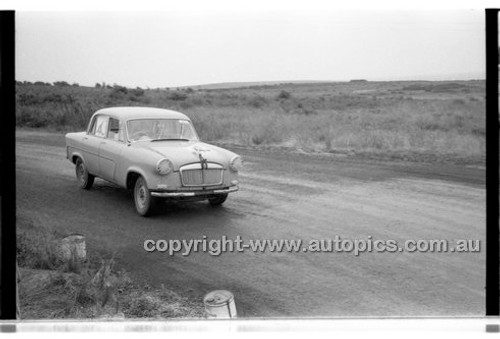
120 89
61 84
138 92
284 95
257 101
177 96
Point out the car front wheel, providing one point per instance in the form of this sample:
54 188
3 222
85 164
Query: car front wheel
83 177
217 200
144 202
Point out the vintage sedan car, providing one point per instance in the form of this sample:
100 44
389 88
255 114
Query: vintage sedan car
154 152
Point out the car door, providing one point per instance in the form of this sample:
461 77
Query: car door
91 143
110 150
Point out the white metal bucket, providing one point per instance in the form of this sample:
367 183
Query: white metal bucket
220 304
73 245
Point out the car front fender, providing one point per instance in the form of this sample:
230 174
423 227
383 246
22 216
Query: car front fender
72 154
137 170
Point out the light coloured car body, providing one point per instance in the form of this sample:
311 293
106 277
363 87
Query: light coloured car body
199 170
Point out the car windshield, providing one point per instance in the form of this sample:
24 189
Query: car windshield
160 129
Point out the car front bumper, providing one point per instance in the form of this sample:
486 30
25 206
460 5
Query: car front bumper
205 192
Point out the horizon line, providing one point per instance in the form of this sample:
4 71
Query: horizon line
257 83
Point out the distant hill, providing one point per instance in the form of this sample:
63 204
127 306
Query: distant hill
228 85
231 85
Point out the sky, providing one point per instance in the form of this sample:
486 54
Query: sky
192 47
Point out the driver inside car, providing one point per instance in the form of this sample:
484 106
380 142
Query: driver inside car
166 130
142 132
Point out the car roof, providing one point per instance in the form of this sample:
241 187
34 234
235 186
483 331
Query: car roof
138 112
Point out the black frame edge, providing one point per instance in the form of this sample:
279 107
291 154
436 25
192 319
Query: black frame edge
8 176
492 172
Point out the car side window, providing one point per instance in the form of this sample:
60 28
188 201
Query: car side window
114 129
91 129
101 126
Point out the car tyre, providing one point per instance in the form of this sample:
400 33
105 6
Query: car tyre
217 200
83 177
144 203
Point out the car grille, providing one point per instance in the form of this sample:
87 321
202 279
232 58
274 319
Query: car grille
198 177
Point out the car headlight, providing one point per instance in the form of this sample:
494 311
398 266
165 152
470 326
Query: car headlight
236 163
164 166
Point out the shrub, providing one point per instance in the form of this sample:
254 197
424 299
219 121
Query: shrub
257 139
118 93
138 92
257 101
77 112
61 84
177 96
284 95
120 89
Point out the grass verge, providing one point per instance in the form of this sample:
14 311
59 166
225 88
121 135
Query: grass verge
50 287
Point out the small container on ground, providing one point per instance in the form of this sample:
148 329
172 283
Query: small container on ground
220 304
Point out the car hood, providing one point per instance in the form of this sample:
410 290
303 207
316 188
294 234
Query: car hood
186 152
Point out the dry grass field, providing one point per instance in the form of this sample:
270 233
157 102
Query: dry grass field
417 120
